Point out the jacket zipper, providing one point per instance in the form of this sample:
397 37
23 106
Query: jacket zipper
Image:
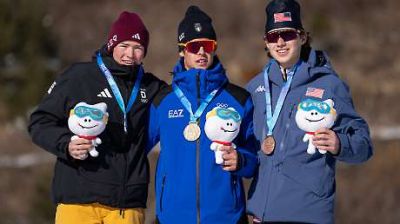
287 126
162 193
122 213
125 165
234 182
198 154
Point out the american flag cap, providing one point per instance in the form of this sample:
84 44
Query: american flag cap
283 14
282 17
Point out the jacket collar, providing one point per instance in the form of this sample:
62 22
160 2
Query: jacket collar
121 71
207 80
317 64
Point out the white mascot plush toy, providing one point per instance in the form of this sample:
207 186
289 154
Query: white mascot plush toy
87 121
221 127
313 115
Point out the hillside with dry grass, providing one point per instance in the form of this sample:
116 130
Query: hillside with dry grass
40 38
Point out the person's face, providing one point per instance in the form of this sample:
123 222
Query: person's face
128 53
199 53
284 45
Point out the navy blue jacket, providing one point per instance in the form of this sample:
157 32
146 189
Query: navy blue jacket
292 185
190 187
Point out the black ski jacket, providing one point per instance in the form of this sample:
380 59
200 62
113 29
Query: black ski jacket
119 176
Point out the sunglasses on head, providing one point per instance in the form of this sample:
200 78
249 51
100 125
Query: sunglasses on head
209 46
286 35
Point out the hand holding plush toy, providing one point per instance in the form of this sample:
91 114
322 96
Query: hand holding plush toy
313 115
87 121
221 127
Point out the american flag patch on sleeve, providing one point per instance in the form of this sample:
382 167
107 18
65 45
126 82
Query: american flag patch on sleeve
282 17
315 92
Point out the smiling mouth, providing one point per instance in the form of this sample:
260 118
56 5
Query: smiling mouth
309 120
225 130
282 51
202 61
90 127
128 62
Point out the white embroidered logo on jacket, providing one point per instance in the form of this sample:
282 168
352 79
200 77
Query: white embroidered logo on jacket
260 89
143 96
51 87
105 93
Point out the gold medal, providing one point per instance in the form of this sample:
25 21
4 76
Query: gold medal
191 132
268 145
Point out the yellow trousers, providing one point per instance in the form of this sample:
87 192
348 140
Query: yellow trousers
97 214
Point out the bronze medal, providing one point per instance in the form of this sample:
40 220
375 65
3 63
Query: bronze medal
268 145
191 132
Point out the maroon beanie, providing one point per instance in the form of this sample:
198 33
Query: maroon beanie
128 26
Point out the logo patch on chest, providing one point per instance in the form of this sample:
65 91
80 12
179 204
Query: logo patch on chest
260 89
143 96
105 93
315 92
175 113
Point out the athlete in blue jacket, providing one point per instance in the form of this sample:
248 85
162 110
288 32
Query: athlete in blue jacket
296 99
190 186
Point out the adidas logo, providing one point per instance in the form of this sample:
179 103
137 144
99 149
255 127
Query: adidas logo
260 89
51 87
136 36
104 94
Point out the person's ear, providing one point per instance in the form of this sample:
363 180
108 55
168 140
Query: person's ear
267 45
303 38
181 53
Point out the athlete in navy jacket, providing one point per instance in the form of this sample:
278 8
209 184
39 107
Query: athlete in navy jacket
293 185
190 186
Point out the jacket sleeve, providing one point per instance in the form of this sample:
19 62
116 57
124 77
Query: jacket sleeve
247 143
48 125
351 129
153 135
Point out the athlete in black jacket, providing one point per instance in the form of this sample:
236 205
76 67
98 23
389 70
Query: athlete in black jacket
116 180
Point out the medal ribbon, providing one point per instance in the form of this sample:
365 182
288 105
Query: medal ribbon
186 103
116 91
273 118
